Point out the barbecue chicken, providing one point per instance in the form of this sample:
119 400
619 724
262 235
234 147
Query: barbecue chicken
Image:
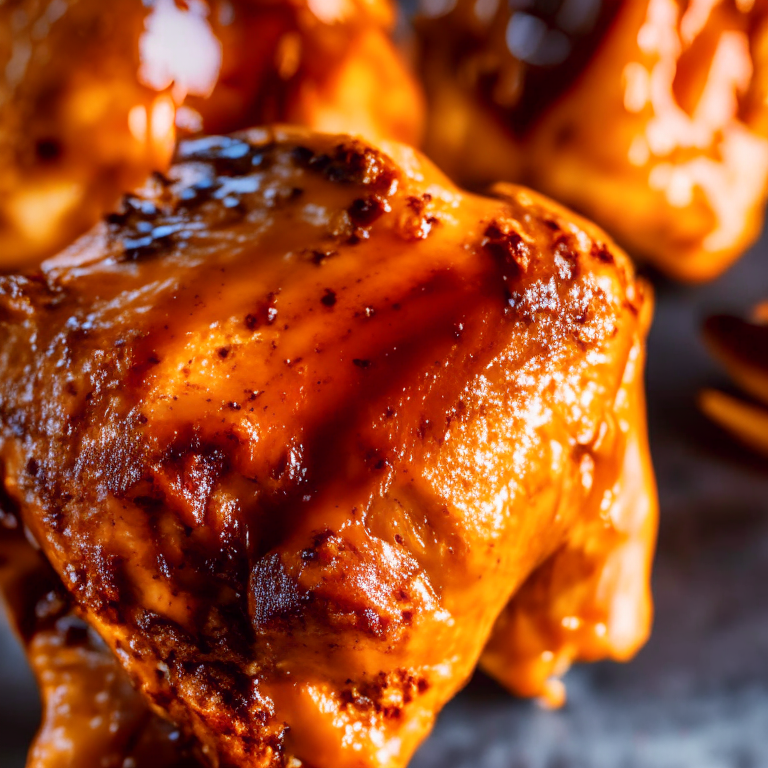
295 426
649 116
89 96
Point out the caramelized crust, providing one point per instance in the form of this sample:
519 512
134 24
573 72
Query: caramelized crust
295 425
649 116
90 91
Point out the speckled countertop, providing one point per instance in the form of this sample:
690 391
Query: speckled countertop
697 695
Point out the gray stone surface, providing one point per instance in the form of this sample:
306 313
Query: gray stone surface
697 695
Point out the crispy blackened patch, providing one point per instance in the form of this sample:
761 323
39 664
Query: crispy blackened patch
417 221
601 253
328 299
274 595
350 162
505 244
364 211
385 695
264 313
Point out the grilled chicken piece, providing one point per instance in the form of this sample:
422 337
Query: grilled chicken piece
742 346
649 116
295 425
92 716
90 91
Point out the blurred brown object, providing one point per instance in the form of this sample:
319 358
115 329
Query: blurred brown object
648 116
742 346
89 93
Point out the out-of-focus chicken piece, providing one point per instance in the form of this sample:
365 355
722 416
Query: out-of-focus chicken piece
92 716
90 91
328 65
69 98
649 116
295 426
742 346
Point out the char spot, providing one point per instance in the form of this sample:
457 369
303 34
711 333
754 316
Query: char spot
264 314
350 162
318 257
601 253
302 155
364 211
329 298
48 149
505 244
360 363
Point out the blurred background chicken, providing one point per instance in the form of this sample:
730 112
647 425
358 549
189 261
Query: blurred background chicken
89 97
648 116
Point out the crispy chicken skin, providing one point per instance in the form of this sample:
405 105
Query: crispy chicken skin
741 344
92 716
649 116
90 89
295 425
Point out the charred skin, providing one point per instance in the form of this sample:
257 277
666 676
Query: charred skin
648 116
89 93
296 424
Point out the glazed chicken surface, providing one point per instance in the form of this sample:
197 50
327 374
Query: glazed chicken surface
295 426
91 92
649 116
741 344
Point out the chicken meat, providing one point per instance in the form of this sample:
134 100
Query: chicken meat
303 426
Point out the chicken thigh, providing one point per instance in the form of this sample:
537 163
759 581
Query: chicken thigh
295 425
